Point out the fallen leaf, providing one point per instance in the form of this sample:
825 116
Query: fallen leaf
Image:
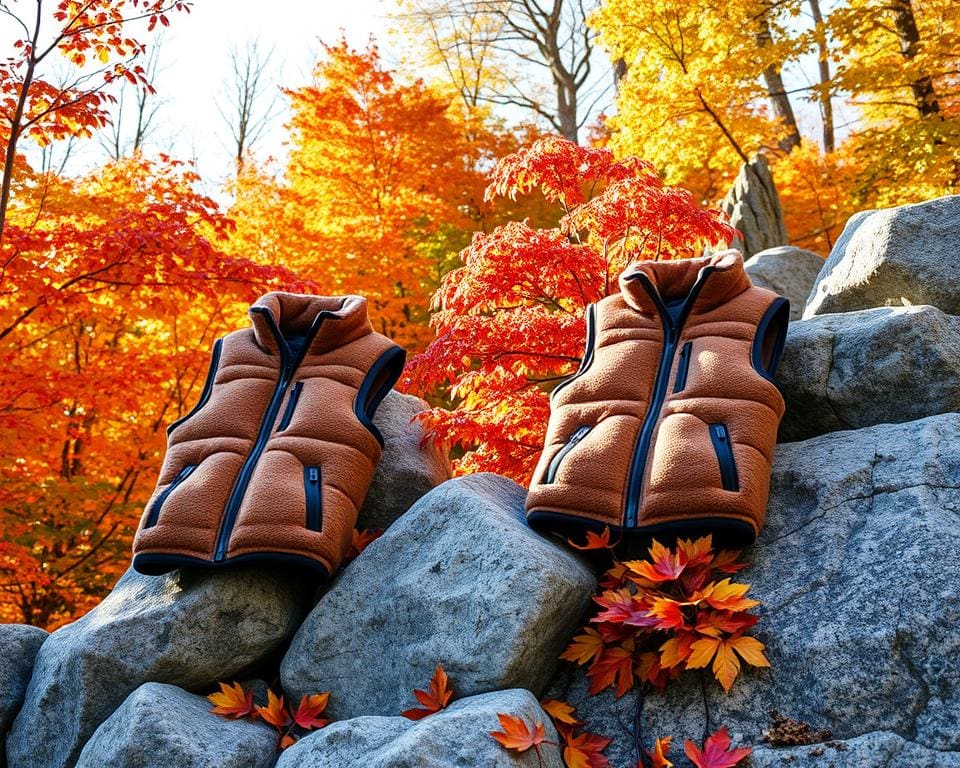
307 714
559 711
716 751
517 735
275 712
434 700
585 750
232 700
594 541
658 755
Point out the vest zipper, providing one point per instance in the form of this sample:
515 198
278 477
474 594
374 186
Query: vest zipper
311 487
720 437
681 381
182 475
287 369
291 406
671 335
576 437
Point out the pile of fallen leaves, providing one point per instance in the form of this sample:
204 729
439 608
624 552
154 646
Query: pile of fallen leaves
233 700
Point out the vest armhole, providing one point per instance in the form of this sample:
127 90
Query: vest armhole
207 386
585 363
770 338
381 377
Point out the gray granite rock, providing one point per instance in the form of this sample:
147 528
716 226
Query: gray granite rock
871 366
19 644
788 271
858 573
159 726
880 749
893 257
460 579
408 468
458 737
753 206
188 628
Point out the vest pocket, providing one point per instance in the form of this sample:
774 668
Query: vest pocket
576 437
681 381
311 487
154 513
720 438
291 406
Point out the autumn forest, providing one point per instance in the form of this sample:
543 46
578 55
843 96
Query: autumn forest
480 186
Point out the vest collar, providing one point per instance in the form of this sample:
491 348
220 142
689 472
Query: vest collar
325 322
702 283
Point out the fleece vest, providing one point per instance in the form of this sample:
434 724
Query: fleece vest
669 427
274 461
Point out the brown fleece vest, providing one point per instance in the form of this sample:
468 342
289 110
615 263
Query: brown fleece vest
669 426
276 458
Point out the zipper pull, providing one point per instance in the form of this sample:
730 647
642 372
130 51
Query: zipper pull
312 475
721 431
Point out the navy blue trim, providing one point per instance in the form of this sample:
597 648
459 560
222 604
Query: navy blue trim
381 377
723 447
728 533
313 497
587 360
151 564
155 508
680 382
774 320
672 325
288 366
578 435
291 406
207 386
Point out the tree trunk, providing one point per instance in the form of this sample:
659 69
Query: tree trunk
567 109
826 100
777 93
924 93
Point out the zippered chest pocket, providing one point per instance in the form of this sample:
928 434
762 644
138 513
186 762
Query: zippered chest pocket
578 435
313 497
154 513
720 437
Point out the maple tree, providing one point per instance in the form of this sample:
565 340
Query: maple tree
43 106
510 322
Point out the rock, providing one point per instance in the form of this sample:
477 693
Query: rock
871 366
406 470
860 583
161 725
786 270
458 736
189 628
460 579
19 644
753 206
893 257
872 750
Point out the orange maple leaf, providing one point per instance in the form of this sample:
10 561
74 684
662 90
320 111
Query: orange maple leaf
517 735
658 755
559 711
307 714
287 741
360 541
275 712
613 665
594 541
434 700
664 564
232 700
585 750
716 751
584 648
724 595
726 665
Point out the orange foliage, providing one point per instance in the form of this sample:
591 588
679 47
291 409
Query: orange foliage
434 700
510 321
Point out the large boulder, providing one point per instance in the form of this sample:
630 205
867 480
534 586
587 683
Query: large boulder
871 366
19 644
460 579
893 257
858 573
753 206
159 726
457 736
409 467
788 271
187 628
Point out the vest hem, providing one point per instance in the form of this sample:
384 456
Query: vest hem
156 564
